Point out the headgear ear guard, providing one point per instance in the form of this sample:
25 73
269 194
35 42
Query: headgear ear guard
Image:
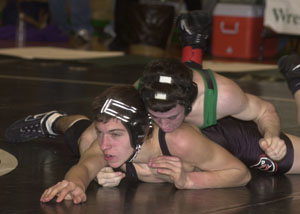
135 121
189 87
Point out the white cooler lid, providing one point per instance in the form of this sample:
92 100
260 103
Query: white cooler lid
240 10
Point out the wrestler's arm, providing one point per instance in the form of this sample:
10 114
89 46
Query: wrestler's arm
214 167
233 101
78 178
87 138
107 177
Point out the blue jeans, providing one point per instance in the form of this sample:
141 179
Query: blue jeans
80 15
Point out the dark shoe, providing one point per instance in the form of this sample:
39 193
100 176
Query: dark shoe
29 128
194 28
289 66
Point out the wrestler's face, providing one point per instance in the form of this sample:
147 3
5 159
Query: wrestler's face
170 120
114 142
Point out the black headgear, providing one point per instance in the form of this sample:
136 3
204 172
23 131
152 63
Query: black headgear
135 121
189 87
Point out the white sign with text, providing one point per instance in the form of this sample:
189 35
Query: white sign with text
283 16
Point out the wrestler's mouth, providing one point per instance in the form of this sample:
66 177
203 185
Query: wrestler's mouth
108 157
167 130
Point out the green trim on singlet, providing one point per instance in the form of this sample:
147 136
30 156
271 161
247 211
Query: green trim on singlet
210 100
137 84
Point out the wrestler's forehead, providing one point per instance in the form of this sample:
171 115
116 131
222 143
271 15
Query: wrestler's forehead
174 111
112 124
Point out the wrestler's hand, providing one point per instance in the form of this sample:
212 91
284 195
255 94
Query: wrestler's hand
108 178
64 190
275 148
171 166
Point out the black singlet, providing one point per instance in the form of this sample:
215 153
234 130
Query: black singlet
241 139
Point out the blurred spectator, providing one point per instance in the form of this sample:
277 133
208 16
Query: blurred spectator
77 21
121 24
35 13
120 41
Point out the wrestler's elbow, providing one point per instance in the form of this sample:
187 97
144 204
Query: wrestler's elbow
245 176
268 111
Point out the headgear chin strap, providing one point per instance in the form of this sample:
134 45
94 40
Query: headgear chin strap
136 151
135 121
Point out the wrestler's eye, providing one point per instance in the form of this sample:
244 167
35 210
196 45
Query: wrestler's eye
173 117
116 133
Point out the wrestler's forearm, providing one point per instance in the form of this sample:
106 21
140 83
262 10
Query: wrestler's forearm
90 163
145 174
269 123
79 176
218 179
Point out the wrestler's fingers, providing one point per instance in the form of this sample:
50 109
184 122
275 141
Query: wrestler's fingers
107 169
78 196
66 191
108 175
112 184
280 147
277 150
43 196
107 172
277 154
51 192
264 145
70 191
166 171
114 181
165 158
48 196
79 199
156 161
277 144
68 197
174 167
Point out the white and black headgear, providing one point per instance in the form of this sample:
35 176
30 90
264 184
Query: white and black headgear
189 88
136 121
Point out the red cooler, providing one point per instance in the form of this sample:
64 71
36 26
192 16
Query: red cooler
237 31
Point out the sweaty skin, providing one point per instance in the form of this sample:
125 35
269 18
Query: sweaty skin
202 168
231 101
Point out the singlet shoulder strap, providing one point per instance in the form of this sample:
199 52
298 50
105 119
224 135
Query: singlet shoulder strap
210 99
210 94
163 143
130 170
207 75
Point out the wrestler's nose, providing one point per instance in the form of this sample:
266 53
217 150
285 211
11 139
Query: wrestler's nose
105 143
164 124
